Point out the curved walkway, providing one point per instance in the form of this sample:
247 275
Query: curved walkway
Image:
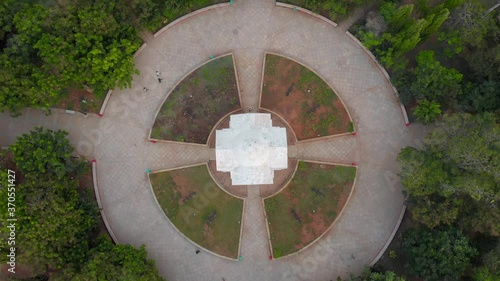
248 29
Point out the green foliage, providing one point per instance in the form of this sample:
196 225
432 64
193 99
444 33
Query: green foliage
154 14
337 9
369 39
483 274
46 152
437 255
492 261
456 174
370 275
84 43
470 23
430 80
453 44
115 262
485 63
54 222
433 23
481 97
427 111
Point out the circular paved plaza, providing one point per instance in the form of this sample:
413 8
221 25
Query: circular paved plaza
248 30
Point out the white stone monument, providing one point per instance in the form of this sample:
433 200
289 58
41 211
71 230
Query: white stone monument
251 149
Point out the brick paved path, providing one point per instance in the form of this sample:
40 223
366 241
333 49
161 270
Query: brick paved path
248 29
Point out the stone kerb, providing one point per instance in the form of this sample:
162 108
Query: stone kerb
175 86
297 8
382 69
329 227
389 240
327 137
190 15
313 71
99 204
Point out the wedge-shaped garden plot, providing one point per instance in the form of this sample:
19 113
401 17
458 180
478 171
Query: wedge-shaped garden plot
198 102
303 99
200 209
307 206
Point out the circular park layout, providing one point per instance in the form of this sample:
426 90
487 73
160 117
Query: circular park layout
259 142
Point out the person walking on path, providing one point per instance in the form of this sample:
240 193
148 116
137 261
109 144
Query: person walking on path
158 76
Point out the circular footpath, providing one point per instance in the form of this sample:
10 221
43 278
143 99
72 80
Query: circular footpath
248 29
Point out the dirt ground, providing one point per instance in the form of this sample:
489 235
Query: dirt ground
311 108
317 212
198 103
397 262
75 101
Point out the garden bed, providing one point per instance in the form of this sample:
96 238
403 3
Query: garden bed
311 107
82 101
191 216
198 102
317 209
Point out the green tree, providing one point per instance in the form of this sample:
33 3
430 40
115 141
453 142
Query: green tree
53 222
433 23
430 80
337 9
85 43
370 275
481 97
454 178
470 22
483 274
427 111
115 262
46 152
437 255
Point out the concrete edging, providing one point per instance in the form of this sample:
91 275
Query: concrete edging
285 5
140 49
99 204
105 102
389 240
327 137
403 109
194 13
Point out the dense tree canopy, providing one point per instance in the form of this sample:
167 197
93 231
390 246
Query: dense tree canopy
430 81
46 152
370 275
437 255
455 178
115 262
85 43
54 222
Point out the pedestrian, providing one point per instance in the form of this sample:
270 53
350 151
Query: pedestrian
159 79
158 73
197 251
145 89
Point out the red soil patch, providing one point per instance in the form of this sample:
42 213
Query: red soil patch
75 101
183 183
278 78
